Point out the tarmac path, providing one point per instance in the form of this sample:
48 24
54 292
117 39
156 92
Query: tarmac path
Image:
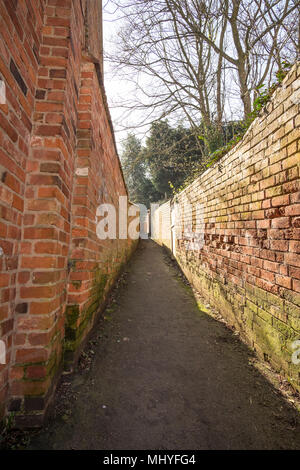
167 376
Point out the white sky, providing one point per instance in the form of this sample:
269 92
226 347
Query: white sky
117 89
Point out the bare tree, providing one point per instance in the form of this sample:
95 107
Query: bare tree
196 55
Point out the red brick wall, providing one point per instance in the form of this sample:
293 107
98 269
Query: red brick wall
20 41
55 122
249 265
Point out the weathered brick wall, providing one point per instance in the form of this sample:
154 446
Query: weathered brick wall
58 162
249 265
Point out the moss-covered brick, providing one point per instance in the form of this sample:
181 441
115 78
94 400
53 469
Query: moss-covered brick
293 315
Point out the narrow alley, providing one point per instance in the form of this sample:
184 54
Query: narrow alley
167 376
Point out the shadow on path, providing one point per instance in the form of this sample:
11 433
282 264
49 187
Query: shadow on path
166 376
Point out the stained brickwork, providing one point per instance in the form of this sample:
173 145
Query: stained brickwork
58 162
249 206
